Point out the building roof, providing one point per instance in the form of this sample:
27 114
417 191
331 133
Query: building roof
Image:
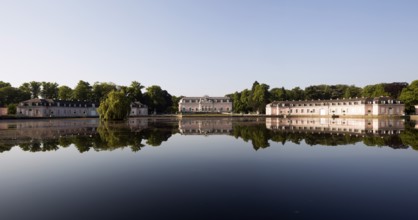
51 102
138 105
207 97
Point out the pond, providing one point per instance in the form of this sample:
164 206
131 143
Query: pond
209 168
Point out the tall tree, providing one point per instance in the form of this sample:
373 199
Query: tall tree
260 97
135 91
4 84
100 90
82 91
156 98
116 106
35 89
65 93
49 90
409 96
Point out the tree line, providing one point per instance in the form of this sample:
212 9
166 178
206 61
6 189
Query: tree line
157 99
254 100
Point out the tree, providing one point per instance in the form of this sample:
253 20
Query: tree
155 98
116 106
260 98
82 91
245 100
49 90
135 91
4 84
238 105
11 95
100 90
409 96
374 91
35 89
65 93
352 91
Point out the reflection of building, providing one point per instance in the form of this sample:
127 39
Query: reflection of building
339 107
56 108
40 129
337 125
138 124
193 126
138 109
205 104
416 109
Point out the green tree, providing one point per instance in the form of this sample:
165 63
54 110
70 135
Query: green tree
156 98
238 105
49 90
82 91
352 91
295 94
260 98
135 91
35 89
245 100
374 91
116 106
100 90
11 109
4 84
65 93
11 95
409 96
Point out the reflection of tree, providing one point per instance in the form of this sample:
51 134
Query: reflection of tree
111 136
258 134
410 136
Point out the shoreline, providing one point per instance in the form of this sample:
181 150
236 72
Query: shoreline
411 117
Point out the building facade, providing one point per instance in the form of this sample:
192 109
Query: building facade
56 108
138 109
381 106
205 104
43 108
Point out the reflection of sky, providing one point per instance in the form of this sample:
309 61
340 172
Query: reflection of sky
210 176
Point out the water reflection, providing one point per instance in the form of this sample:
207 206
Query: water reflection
90 134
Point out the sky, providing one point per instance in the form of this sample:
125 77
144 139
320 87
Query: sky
209 47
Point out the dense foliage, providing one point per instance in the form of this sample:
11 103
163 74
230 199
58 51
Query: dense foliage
159 101
255 100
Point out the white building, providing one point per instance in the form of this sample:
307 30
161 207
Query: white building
205 104
382 106
138 109
56 108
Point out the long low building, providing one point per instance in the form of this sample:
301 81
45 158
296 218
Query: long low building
381 106
62 108
205 104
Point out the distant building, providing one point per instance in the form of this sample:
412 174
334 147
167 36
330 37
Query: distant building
138 109
205 104
56 108
381 106
416 109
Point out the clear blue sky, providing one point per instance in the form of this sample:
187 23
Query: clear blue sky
211 47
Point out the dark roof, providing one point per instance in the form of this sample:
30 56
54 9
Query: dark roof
52 102
138 105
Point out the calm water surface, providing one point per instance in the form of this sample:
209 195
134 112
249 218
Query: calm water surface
265 168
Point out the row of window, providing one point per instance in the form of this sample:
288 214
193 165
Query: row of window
209 101
204 109
341 103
